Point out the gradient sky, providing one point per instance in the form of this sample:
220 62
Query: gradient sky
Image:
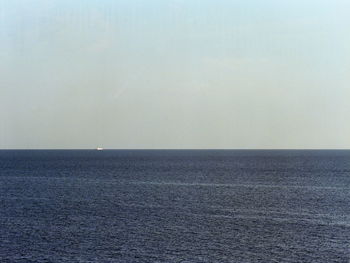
174 74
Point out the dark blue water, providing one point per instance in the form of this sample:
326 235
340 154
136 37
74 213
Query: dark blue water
175 206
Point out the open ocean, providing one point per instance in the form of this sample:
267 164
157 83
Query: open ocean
174 206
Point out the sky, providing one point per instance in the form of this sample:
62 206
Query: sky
174 74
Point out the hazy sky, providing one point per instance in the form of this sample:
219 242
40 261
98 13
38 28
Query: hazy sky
175 73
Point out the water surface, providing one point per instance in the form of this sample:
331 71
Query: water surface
174 206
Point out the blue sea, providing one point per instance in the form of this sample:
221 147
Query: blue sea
174 206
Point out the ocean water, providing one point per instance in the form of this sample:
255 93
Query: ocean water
174 206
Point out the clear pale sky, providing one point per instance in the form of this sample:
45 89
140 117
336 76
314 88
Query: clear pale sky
174 74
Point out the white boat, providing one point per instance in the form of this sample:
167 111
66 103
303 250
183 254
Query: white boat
99 148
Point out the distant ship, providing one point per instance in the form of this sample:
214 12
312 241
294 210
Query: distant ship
99 148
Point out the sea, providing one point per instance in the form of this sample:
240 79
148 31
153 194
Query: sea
174 206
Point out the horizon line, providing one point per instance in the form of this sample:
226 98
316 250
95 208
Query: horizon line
174 149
